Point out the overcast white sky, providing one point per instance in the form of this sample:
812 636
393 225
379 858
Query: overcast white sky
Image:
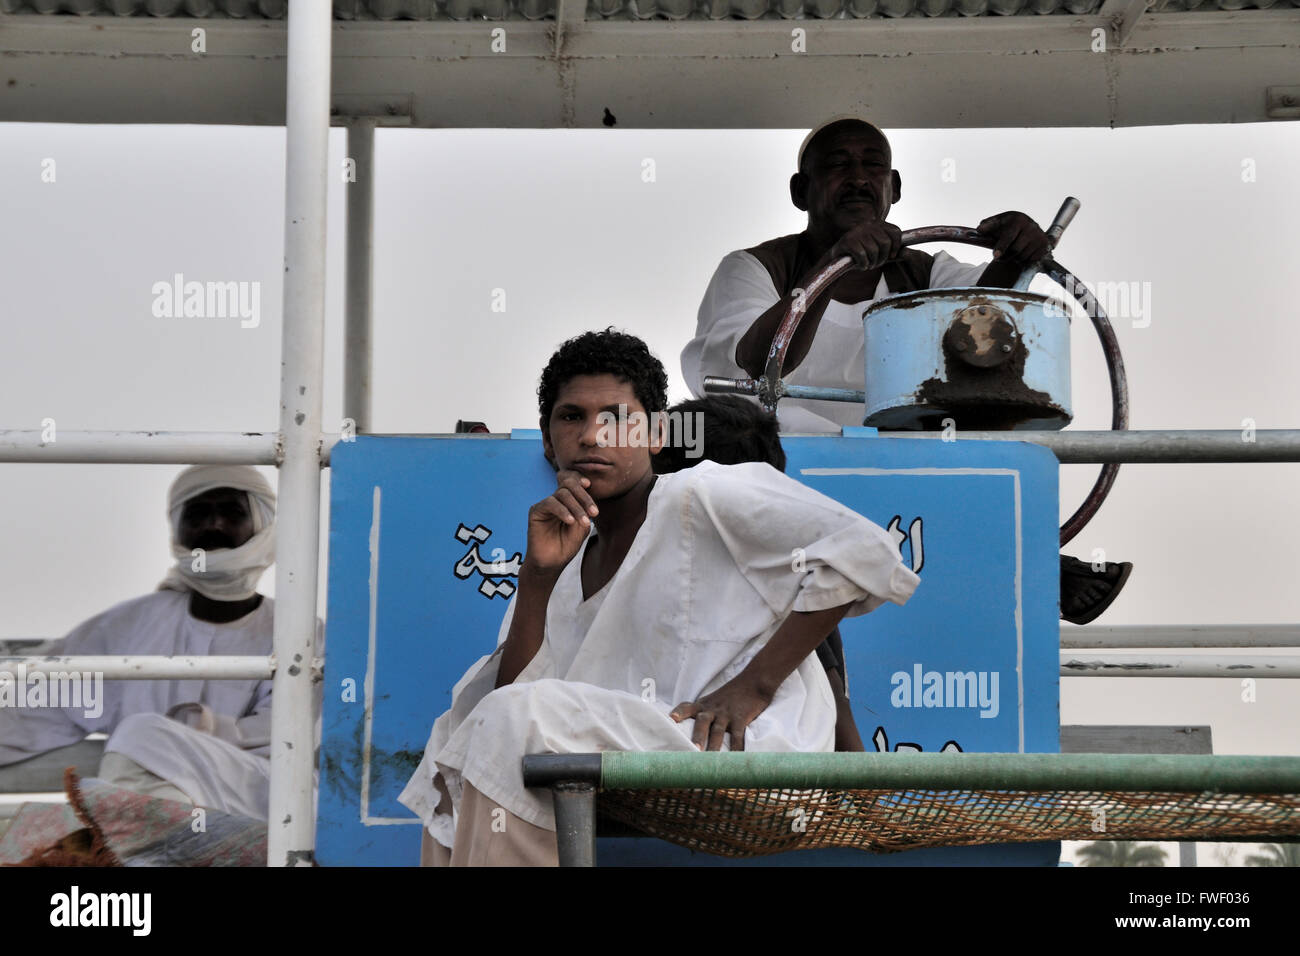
565 224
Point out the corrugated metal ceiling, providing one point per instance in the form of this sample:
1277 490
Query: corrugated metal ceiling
614 9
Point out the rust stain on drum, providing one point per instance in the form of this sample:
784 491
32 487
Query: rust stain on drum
982 398
982 335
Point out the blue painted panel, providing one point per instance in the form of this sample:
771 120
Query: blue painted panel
972 513
423 533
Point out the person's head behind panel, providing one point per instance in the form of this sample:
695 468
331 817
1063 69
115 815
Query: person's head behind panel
846 177
600 401
222 520
219 518
732 430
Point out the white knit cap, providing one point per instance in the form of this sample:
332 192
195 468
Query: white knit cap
831 122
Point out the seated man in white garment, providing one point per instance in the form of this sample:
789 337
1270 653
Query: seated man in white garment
669 612
203 742
846 183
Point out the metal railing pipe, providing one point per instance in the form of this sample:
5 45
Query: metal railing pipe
949 771
1178 665
1162 446
142 667
358 319
263 448
291 828
1181 636
139 447
575 822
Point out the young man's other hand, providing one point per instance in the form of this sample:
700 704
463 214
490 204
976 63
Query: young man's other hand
728 710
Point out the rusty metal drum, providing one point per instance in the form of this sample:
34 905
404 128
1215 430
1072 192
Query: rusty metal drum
988 359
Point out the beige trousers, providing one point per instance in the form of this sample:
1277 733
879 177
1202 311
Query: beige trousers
487 834
124 772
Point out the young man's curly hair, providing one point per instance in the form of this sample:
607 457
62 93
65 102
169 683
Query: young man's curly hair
604 353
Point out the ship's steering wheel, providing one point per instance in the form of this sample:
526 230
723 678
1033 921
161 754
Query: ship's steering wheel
770 387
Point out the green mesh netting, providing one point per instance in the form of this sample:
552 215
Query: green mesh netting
751 804
740 823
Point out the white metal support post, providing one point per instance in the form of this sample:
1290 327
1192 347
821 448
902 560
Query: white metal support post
291 827
360 260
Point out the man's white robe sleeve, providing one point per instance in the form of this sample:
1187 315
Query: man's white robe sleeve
947 272
739 292
785 537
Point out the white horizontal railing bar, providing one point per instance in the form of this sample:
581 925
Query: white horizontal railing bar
149 447
141 447
1175 635
1145 447
1179 665
264 448
144 667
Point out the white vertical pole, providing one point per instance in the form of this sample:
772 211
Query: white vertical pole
291 828
360 243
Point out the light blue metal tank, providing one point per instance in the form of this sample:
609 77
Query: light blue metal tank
984 358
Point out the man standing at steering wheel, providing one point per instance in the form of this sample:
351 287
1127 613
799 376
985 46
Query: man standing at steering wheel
847 185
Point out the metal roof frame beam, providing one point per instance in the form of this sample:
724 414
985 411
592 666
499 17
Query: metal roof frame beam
1016 71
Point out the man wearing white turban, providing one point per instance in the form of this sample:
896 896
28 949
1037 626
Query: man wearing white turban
200 741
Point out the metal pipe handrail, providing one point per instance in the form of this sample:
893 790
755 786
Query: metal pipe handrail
1182 665
1195 773
358 332
291 831
140 447
1155 446
152 667
145 666
199 667
1092 637
114 447
1263 636
1158 446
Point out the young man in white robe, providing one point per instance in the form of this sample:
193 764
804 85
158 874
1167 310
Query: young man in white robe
669 612
203 742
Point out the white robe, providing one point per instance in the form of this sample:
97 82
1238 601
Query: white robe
226 769
711 575
741 290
